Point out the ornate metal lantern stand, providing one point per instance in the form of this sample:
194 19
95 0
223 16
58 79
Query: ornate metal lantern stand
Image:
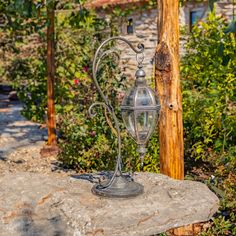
140 108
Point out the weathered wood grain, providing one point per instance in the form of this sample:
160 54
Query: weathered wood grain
51 75
167 80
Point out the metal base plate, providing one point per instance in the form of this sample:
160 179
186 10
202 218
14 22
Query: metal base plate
121 187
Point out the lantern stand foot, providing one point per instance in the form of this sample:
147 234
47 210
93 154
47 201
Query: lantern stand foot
122 186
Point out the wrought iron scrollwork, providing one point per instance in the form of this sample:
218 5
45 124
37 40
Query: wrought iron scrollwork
99 55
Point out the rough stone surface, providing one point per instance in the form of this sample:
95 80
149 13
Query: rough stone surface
40 204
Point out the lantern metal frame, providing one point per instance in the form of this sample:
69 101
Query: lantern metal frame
136 109
118 184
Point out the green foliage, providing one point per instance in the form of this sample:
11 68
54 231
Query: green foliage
87 143
209 96
24 56
124 12
21 17
221 227
209 105
28 78
19 23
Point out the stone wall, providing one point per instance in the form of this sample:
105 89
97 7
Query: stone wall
145 31
225 8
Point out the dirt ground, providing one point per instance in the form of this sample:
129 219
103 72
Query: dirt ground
21 142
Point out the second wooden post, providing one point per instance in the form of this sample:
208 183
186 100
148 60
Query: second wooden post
51 121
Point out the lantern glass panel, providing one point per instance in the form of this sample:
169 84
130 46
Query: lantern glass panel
129 99
128 118
142 126
146 122
139 113
143 97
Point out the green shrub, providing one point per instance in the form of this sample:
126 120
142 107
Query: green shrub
209 90
209 105
87 143
28 77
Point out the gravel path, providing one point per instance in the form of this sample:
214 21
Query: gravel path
20 140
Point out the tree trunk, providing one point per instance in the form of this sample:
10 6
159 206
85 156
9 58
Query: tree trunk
51 122
168 85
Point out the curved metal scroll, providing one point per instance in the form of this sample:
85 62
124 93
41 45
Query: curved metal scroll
96 62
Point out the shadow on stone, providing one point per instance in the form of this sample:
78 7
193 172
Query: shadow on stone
94 177
97 177
28 223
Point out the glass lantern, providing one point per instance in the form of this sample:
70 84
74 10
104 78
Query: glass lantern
140 109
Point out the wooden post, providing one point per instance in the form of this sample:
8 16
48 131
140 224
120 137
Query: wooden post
51 121
168 85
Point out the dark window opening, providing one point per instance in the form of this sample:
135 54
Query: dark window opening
130 26
195 16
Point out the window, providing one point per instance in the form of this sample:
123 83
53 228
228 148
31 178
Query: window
130 26
195 16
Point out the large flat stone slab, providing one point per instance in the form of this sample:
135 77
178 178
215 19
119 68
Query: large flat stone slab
34 204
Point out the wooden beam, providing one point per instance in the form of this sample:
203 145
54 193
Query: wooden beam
51 121
167 78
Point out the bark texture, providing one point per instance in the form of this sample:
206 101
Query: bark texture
51 76
168 85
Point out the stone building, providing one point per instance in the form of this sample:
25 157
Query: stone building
141 24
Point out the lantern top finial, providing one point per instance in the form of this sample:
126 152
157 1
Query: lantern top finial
140 77
140 73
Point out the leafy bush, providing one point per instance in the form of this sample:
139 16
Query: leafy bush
22 45
209 105
209 94
89 143
28 77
